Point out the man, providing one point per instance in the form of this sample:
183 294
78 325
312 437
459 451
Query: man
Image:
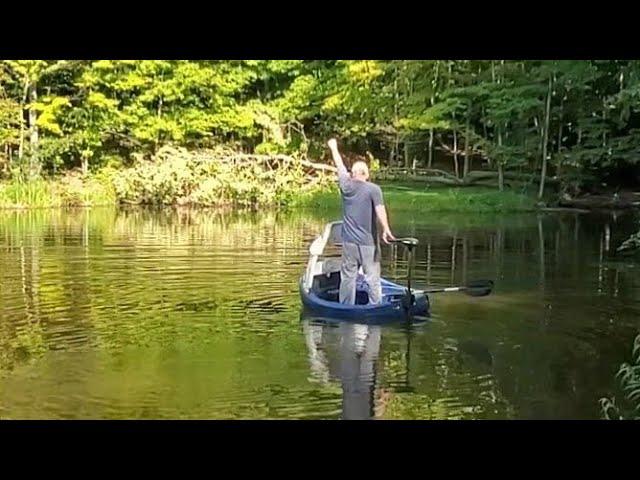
361 203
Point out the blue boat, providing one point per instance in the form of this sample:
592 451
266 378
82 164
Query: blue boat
320 284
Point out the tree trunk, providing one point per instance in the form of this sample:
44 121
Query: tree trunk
604 131
455 153
21 119
395 108
545 139
484 130
430 161
467 160
396 149
406 155
157 139
559 165
433 102
34 169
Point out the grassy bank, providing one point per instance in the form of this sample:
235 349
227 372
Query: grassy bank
97 191
400 197
68 191
223 178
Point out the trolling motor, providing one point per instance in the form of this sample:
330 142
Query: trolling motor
409 298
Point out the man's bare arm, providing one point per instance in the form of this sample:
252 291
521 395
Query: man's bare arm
335 153
381 213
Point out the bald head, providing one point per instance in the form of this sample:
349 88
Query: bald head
360 171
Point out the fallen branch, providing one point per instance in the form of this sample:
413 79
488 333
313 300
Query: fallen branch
427 179
318 166
601 201
419 172
566 209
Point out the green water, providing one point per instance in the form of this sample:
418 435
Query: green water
193 314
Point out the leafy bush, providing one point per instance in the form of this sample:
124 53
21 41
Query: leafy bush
215 178
628 407
71 190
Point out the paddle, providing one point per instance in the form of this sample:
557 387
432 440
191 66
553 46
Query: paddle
478 288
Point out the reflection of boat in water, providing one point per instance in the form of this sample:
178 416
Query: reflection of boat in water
320 284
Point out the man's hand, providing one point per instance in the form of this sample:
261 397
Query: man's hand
333 144
387 236
381 213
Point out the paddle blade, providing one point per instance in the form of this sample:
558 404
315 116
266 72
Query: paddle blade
479 288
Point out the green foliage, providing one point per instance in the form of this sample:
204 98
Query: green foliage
88 113
214 178
628 377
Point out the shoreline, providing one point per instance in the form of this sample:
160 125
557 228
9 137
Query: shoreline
399 196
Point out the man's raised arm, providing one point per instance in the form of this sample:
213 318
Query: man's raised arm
337 158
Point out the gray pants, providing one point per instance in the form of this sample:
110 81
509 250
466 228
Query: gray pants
353 257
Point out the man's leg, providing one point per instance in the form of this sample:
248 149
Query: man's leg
348 273
371 268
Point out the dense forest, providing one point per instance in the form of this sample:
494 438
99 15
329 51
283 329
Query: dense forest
573 125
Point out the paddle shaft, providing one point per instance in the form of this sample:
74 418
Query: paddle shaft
479 288
446 289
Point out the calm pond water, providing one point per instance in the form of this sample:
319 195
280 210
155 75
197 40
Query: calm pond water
114 314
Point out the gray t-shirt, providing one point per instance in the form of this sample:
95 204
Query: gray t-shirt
359 200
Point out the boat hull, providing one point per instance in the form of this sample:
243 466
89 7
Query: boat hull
390 308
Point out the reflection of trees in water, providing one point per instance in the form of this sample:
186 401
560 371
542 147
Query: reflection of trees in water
569 303
446 378
95 268
45 280
551 246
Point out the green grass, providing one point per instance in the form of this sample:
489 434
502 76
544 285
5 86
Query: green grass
65 192
399 197
96 190
35 194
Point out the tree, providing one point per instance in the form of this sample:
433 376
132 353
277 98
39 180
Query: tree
29 73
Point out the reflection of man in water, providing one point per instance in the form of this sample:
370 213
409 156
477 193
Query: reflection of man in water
358 353
359 347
